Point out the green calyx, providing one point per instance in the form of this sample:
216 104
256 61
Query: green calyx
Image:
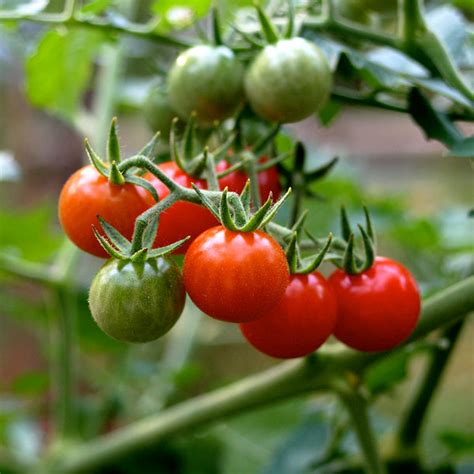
309 264
299 178
351 262
270 32
110 168
189 154
117 246
234 211
303 266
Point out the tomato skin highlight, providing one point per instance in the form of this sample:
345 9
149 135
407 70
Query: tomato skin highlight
300 323
288 81
182 218
378 309
235 276
87 194
137 302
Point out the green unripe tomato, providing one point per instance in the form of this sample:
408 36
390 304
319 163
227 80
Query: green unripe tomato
137 302
288 81
157 110
207 80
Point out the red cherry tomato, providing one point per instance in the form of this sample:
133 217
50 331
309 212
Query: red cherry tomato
182 218
300 323
87 194
378 309
235 276
267 180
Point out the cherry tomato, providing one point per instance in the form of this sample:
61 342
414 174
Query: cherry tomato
87 194
235 276
378 309
267 180
207 80
137 302
288 81
300 323
182 218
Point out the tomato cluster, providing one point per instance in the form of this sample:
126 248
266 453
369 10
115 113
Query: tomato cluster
233 276
286 82
233 273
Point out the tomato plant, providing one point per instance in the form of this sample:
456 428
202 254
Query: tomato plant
137 302
206 80
288 81
235 75
300 323
245 274
378 309
88 194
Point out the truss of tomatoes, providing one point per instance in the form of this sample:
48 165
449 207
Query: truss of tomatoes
236 277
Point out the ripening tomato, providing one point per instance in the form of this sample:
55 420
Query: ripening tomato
378 309
137 302
88 194
235 276
300 323
182 218
268 180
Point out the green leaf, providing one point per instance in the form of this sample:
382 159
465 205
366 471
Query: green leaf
375 75
384 375
329 112
434 123
439 87
451 28
179 14
436 50
30 383
463 148
458 443
58 72
29 233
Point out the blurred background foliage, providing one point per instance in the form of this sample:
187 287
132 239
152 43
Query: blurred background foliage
419 199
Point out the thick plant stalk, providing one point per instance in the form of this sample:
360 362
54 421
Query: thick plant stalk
357 407
412 422
283 381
